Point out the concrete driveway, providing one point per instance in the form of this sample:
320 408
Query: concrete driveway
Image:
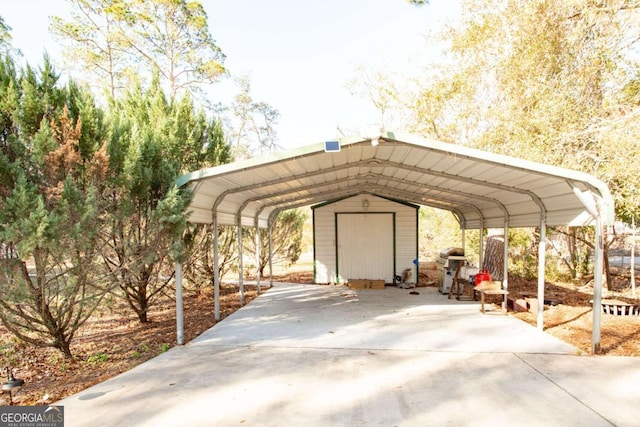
329 356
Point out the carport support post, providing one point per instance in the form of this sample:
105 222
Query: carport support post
480 246
240 264
216 267
505 261
597 287
179 313
270 253
257 241
595 212
541 268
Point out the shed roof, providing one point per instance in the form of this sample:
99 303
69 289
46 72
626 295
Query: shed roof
480 188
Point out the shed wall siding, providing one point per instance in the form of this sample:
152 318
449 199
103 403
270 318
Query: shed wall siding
406 234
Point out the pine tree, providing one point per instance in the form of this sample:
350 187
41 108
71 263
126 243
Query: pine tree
50 212
153 141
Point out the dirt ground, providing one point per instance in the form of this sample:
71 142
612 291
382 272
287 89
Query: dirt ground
113 341
569 316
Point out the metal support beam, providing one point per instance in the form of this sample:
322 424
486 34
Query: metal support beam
271 253
597 287
541 269
505 254
257 243
505 261
240 263
592 207
379 164
295 201
481 244
216 267
179 311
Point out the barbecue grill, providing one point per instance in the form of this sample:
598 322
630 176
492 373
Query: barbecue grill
448 262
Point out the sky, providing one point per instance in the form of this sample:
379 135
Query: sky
299 55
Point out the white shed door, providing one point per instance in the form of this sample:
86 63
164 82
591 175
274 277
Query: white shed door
365 246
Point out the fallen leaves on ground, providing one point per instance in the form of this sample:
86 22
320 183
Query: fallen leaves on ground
111 342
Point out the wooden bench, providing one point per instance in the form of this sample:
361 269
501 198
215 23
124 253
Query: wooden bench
492 287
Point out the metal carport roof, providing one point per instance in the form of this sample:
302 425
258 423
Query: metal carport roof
482 189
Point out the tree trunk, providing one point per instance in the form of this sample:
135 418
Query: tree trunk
143 305
494 256
65 347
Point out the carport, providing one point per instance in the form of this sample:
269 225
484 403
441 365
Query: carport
481 189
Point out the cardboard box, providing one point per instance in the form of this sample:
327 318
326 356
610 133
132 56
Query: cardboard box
365 284
376 284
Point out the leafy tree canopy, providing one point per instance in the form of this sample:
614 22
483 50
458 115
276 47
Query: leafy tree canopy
117 41
552 81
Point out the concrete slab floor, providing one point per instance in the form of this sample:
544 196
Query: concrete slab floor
321 355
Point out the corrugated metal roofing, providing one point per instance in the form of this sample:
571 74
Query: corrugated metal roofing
481 189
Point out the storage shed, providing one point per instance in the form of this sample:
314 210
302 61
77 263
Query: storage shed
364 237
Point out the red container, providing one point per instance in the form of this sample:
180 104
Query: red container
482 276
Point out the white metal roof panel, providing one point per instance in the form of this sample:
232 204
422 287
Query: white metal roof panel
482 189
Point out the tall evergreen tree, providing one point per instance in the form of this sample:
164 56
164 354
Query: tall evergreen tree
153 141
50 212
